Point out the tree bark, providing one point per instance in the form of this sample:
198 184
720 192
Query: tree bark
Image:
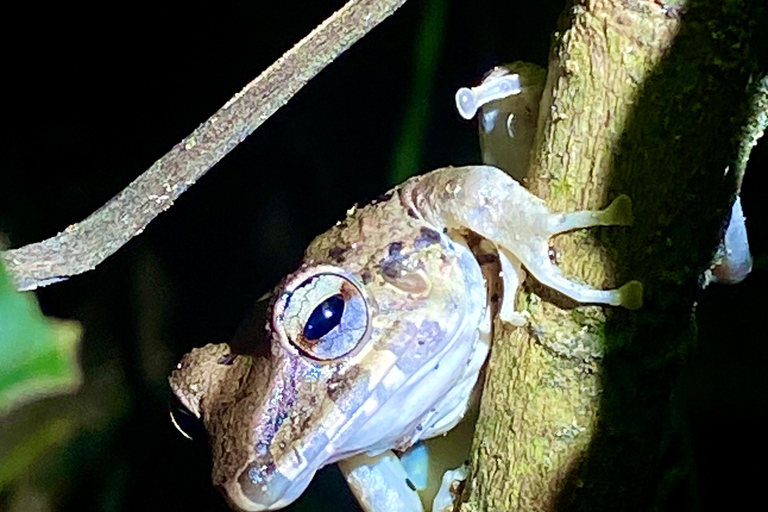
646 99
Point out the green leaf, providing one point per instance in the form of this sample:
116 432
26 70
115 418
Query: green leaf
38 356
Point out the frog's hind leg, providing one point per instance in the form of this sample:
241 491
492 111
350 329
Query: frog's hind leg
380 483
618 213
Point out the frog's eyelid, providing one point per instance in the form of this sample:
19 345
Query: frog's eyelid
495 87
309 289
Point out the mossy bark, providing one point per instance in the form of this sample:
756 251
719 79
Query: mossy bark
647 99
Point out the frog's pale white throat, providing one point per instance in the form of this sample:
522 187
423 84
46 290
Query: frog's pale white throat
377 340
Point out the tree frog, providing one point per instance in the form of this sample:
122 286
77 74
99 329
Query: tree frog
377 340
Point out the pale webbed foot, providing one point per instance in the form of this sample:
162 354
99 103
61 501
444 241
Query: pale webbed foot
416 462
618 213
445 499
380 483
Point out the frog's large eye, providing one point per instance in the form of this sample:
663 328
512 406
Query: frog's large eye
324 315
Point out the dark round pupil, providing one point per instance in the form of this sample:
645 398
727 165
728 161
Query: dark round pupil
324 318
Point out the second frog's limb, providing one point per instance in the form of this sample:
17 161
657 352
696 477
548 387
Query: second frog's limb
506 120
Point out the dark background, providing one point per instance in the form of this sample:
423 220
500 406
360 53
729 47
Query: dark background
93 98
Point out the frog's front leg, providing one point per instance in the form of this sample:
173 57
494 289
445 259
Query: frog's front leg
487 201
433 467
388 483
380 483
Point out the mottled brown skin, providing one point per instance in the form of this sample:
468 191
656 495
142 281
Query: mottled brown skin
415 288
414 331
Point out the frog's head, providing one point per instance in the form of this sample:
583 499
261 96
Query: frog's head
269 417
360 354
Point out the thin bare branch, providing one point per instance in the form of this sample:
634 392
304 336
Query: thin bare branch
84 245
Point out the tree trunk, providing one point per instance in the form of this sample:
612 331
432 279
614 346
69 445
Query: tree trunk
648 100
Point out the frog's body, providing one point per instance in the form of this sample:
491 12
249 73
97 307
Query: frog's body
378 339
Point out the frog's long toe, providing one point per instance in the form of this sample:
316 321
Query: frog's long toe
618 213
631 295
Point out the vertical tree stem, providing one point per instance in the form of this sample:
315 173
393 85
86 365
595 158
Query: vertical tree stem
643 98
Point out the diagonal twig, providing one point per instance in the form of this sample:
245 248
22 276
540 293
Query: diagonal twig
84 245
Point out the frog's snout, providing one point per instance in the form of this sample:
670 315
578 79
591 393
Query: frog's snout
262 487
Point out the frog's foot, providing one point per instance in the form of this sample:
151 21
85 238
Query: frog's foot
415 461
380 483
446 497
618 213
630 295
499 84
